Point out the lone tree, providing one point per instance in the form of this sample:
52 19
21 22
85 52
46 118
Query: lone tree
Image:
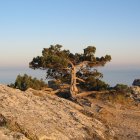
65 66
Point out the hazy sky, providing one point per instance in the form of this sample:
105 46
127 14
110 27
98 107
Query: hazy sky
28 26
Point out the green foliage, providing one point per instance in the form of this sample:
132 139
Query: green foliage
114 96
24 82
59 63
122 88
93 82
117 94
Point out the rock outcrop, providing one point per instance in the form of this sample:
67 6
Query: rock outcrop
136 82
26 116
136 93
37 115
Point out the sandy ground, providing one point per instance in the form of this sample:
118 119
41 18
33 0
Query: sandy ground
123 119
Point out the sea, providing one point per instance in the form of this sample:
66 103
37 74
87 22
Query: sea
110 76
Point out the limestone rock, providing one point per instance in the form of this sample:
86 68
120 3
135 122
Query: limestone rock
26 116
136 93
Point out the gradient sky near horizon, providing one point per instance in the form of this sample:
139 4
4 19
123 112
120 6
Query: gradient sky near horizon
28 26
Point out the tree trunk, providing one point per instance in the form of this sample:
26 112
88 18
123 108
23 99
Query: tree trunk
73 87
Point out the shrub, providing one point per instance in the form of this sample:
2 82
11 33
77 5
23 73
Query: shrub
24 82
122 88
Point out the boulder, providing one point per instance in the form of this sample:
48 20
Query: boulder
136 82
136 93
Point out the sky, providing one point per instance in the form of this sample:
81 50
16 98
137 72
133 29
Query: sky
28 26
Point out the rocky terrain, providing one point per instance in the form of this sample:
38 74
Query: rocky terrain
136 82
36 115
136 93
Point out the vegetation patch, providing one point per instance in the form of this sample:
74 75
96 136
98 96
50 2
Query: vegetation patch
24 82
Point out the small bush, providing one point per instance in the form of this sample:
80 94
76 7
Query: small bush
122 88
24 82
113 97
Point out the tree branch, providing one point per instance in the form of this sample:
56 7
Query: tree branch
71 63
83 94
66 69
95 64
82 63
80 79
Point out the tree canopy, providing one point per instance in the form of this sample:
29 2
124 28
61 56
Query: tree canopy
68 67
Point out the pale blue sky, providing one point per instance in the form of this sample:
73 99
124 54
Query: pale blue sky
28 26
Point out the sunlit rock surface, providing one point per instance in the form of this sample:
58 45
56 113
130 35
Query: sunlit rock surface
26 115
